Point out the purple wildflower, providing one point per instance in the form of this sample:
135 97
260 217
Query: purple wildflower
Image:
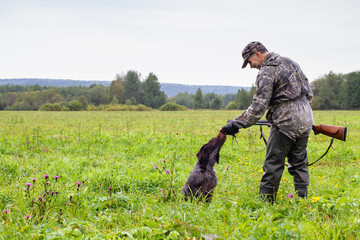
340 164
6 211
227 168
40 199
164 160
28 184
56 177
78 183
27 217
290 196
156 167
46 176
33 179
167 171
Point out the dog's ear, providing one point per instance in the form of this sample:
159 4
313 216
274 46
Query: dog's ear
217 158
201 151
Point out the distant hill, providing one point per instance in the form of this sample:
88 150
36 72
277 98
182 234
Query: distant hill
51 82
170 89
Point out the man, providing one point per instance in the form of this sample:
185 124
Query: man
283 90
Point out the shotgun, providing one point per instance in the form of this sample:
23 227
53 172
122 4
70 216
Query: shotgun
337 132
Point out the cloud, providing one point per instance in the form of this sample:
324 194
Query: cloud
189 42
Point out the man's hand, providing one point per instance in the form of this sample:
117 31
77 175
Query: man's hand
229 128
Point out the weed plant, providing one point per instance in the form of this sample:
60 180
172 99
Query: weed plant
117 175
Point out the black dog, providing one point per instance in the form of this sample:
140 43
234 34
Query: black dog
202 180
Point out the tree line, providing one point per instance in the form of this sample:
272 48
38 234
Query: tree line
337 91
331 91
124 89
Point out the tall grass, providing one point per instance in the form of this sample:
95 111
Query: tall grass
120 174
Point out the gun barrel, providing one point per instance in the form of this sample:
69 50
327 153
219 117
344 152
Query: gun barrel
262 122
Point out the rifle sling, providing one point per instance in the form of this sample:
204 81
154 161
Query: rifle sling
327 150
262 135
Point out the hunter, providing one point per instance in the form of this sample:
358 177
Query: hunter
282 89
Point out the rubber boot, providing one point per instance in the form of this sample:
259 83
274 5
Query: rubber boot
301 191
267 194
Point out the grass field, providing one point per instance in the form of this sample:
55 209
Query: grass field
103 175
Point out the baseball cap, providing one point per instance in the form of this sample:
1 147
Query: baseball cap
250 49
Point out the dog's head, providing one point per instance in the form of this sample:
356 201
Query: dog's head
209 153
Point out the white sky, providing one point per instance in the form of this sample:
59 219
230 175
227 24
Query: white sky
181 41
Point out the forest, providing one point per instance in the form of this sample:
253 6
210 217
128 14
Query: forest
332 91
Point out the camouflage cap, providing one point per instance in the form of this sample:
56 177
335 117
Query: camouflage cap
250 49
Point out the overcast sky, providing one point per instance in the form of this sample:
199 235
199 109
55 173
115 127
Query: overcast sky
180 41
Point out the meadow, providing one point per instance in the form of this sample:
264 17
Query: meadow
117 175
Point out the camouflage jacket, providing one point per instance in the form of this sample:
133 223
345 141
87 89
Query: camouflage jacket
282 89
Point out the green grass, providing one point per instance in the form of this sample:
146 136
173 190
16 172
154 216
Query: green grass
112 155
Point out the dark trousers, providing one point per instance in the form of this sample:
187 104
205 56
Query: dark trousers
279 147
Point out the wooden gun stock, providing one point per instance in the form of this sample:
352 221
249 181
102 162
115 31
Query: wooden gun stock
337 132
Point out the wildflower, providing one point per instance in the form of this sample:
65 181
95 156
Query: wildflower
167 171
164 160
52 192
28 184
6 211
315 199
290 195
33 179
40 199
340 164
56 177
78 183
156 167
27 217
46 176
227 168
